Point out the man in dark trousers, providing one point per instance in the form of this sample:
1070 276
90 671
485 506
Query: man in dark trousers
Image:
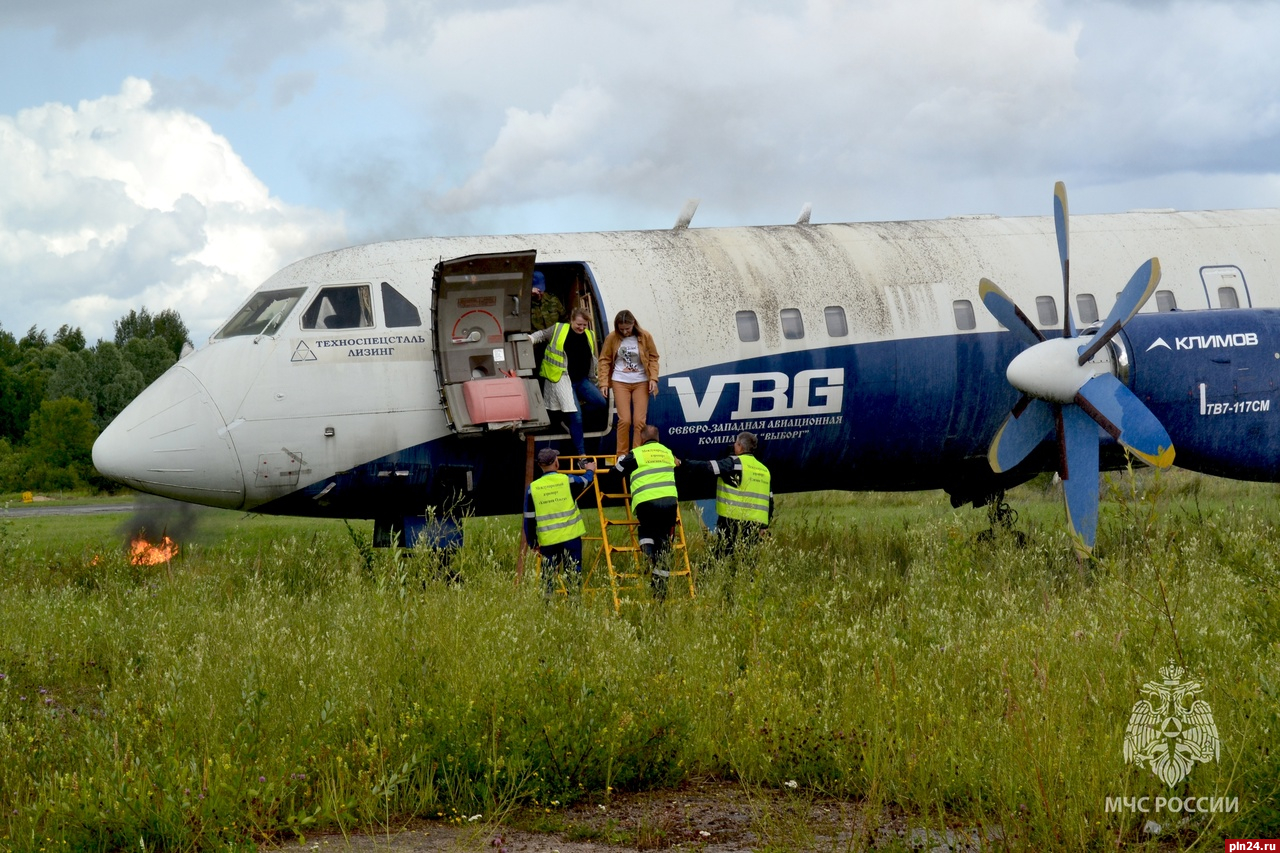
552 524
651 468
744 501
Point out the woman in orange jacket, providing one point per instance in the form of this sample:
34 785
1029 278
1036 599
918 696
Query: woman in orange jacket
628 365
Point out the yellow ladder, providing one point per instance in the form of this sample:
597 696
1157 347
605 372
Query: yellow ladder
620 581
618 536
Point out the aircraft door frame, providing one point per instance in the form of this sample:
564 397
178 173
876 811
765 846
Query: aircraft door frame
1216 276
575 283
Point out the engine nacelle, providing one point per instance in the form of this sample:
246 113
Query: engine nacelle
1211 378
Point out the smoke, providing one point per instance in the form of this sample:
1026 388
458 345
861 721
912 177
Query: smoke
154 518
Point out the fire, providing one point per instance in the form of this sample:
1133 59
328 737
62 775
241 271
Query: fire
144 553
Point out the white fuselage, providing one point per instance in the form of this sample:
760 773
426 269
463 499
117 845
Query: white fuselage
247 420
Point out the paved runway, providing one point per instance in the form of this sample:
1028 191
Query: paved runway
31 510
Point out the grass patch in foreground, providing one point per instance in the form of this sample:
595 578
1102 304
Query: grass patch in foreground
269 682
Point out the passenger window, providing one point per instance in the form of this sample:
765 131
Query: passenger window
1087 308
1047 309
748 326
1165 301
398 311
837 326
1227 298
792 324
345 307
963 311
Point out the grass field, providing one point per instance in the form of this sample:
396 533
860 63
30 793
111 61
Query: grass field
279 677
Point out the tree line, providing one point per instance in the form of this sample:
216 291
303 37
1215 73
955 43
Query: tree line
57 393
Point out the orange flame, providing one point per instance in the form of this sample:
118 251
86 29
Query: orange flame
144 553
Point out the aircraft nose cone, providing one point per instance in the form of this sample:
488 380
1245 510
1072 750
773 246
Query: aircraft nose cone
172 441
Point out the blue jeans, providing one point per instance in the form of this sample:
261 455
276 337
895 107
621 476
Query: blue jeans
589 399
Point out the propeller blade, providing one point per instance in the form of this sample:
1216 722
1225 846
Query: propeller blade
1024 429
1064 256
1080 486
1009 314
1129 302
1118 410
1065 407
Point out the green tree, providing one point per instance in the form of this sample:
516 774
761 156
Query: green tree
11 468
170 327
166 325
36 339
135 324
116 380
72 339
22 388
44 357
62 433
10 405
152 356
74 377
9 352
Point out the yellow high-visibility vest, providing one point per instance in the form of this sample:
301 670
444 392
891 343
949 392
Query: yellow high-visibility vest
554 361
749 501
655 474
558 519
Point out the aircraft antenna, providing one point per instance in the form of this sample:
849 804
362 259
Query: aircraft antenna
686 214
803 218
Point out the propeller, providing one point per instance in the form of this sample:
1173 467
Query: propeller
1069 386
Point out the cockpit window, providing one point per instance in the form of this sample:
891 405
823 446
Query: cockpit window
263 313
347 306
399 311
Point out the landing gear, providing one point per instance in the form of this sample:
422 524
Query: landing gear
975 484
1002 518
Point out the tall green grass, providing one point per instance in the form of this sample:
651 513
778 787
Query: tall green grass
273 680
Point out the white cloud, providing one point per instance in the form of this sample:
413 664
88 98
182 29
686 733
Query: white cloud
741 103
114 203
537 155
868 108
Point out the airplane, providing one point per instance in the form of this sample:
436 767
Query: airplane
375 381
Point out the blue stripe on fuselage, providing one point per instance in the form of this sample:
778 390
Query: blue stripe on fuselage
890 415
911 414
907 410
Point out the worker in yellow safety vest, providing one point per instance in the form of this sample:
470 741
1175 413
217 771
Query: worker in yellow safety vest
552 524
744 501
569 372
651 469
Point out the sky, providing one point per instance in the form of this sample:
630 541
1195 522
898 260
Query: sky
173 154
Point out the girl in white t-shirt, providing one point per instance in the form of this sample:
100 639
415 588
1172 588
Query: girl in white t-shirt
628 366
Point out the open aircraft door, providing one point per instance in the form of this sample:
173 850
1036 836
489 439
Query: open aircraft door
480 332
